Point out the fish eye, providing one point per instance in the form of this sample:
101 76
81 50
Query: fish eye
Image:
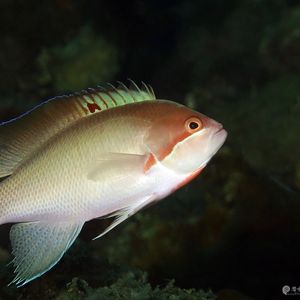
193 124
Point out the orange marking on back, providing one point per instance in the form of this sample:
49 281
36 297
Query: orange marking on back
188 179
93 107
151 161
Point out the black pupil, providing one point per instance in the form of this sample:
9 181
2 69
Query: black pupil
194 125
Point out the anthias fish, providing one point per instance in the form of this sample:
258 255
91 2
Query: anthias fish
99 153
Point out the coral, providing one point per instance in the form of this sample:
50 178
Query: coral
131 286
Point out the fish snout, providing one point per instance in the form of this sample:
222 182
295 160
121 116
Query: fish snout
218 134
215 130
211 124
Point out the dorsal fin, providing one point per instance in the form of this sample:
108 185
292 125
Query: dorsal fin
23 135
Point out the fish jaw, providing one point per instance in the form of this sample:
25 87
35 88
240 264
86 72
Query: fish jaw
169 178
179 147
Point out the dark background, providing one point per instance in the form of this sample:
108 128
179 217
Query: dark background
235 229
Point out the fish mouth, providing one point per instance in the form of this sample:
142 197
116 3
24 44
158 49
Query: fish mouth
217 139
220 129
220 136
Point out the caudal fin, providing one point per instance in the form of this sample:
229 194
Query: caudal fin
38 246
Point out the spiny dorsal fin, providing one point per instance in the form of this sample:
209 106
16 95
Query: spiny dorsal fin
23 135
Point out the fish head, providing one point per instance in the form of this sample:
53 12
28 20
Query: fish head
185 140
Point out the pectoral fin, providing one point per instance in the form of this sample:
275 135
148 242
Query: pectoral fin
117 167
38 246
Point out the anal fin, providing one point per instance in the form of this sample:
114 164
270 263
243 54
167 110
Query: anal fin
38 246
123 214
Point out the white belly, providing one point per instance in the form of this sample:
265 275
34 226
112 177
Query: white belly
82 199
154 185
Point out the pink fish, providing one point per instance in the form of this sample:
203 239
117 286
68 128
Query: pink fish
105 152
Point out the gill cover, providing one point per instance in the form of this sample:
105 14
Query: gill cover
184 140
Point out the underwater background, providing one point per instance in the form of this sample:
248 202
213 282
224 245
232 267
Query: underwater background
232 233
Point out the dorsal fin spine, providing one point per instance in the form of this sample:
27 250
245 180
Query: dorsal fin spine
147 88
125 89
102 100
112 98
120 96
116 91
110 102
129 91
134 85
82 108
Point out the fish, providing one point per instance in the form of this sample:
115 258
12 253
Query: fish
103 152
